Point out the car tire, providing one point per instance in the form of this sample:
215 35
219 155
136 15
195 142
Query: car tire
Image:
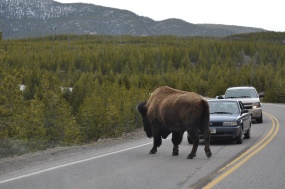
239 139
260 119
247 134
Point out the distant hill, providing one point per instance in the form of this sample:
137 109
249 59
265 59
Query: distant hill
275 37
36 18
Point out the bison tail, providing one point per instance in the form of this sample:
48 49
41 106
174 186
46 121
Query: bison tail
205 117
142 109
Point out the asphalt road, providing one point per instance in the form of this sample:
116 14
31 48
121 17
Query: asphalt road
257 163
265 168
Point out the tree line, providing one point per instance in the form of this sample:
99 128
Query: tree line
80 88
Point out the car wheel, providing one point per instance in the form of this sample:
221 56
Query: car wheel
189 140
260 119
247 134
239 139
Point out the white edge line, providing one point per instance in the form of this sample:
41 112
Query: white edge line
72 163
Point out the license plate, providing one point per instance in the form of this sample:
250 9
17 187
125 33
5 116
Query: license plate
213 130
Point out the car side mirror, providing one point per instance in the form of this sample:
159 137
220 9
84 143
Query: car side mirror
261 95
220 97
244 111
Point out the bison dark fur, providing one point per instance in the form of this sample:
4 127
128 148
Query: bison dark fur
173 111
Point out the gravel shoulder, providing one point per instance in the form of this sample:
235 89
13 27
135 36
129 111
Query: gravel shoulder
32 159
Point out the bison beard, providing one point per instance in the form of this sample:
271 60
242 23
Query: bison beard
173 111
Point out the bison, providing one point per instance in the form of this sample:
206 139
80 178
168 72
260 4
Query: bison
174 111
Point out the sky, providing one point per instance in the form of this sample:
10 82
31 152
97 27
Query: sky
265 14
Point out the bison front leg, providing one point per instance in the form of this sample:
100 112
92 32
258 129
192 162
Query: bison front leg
156 143
176 140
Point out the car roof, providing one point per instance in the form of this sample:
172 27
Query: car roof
241 87
223 100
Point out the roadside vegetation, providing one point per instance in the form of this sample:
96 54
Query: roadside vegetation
80 88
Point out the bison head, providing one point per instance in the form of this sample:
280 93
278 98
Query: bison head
141 107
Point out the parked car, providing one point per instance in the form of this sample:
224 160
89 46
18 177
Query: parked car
250 99
228 119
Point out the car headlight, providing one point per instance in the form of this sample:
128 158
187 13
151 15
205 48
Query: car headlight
231 123
256 105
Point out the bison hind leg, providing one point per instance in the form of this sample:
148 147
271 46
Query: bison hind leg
175 151
191 156
208 153
194 135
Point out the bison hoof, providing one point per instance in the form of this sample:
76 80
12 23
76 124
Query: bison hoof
190 156
208 154
175 153
152 151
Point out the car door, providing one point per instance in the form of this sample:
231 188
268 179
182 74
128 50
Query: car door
246 117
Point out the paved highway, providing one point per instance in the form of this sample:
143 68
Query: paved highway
263 165
257 163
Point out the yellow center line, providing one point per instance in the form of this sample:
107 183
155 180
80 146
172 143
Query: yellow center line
254 150
251 149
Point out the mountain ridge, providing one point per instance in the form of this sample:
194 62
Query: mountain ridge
36 18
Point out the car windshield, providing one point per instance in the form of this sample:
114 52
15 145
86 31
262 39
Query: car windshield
220 107
241 93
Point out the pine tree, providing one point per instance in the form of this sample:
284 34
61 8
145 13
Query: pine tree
82 89
11 101
31 127
91 115
60 125
11 105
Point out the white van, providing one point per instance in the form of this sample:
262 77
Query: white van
249 98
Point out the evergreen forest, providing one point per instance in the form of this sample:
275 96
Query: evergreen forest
75 89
